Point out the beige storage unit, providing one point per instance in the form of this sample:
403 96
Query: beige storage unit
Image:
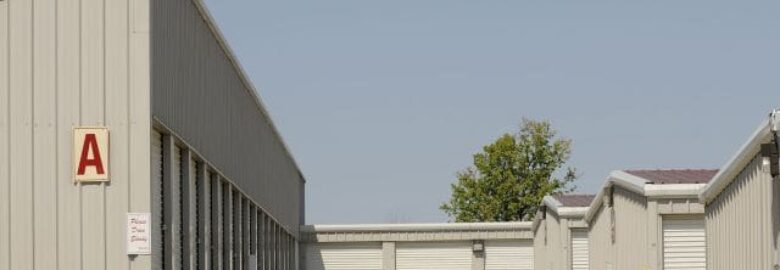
560 216
629 216
176 114
684 244
742 220
580 255
344 256
433 256
509 255
448 246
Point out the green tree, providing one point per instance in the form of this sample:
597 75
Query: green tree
511 176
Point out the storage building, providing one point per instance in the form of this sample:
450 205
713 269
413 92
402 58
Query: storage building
561 234
649 219
450 246
130 138
742 205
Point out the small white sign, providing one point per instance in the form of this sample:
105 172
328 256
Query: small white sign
139 234
90 154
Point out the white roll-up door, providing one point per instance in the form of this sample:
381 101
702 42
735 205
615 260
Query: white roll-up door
579 250
434 256
685 245
509 255
344 256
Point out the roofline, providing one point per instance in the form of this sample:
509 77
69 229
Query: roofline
642 187
250 87
744 155
562 211
417 227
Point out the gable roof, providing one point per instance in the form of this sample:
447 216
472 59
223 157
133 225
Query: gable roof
669 183
765 133
675 176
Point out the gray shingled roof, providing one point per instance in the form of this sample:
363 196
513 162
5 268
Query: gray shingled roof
675 176
574 200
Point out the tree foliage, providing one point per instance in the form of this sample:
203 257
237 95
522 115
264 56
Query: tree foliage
511 176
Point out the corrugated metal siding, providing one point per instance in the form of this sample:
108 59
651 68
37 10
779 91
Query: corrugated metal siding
739 222
344 256
631 233
191 72
601 249
62 66
550 238
433 256
540 249
509 255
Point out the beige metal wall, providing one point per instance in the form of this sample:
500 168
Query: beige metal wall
630 247
631 231
540 249
200 93
739 222
551 243
66 64
601 250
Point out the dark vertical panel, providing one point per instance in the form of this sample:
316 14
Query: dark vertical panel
217 244
188 199
158 218
172 203
227 212
237 229
204 217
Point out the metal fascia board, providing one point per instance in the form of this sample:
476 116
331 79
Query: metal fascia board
745 153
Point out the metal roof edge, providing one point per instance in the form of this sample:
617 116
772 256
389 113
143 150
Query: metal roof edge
250 87
628 181
417 227
743 156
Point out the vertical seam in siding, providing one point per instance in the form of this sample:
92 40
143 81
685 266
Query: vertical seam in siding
81 95
32 127
56 132
7 121
104 123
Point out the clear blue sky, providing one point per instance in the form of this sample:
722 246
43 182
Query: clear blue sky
382 102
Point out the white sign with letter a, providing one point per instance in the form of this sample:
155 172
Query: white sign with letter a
90 154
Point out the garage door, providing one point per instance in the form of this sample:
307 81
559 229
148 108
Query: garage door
579 250
684 244
434 256
509 255
344 256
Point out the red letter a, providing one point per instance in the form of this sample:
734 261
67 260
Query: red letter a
90 142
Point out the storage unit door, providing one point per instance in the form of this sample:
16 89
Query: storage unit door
685 245
579 250
434 256
509 255
343 256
